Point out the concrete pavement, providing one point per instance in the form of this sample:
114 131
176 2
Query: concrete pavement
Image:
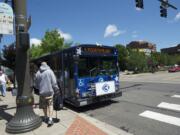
71 123
148 107
157 77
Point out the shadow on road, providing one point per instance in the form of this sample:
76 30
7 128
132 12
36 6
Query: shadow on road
124 89
3 114
134 85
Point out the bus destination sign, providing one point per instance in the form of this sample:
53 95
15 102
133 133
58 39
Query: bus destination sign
97 50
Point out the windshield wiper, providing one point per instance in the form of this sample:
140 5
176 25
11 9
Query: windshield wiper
90 71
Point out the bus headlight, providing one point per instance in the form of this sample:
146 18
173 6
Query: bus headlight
84 94
117 87
77 92
93 87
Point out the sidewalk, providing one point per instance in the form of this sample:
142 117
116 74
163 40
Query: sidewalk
71 123
157 77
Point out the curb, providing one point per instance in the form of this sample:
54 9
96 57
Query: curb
109 129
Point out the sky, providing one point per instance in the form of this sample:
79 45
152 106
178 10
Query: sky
106 22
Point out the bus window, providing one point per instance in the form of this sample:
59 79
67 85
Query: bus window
55 64
109 65
82 66
96 66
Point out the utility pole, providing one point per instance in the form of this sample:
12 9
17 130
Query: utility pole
25 119
1 37
163 7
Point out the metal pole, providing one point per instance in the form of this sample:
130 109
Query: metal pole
25 119
1 37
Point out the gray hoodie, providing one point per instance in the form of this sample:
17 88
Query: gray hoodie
45 81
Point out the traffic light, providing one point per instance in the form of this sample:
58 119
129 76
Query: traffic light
163 11
139 4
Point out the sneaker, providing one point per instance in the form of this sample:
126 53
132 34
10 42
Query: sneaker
45 119
50 123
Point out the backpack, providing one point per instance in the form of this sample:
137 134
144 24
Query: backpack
57 101
36 91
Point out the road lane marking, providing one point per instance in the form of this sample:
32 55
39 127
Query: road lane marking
169 106
176 96
161 117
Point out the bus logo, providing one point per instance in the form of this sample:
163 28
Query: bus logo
81 83
105 87
78 51
100 79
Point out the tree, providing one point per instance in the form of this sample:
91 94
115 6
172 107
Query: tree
122 56
51 42
35 51
177 59
137 61
8 56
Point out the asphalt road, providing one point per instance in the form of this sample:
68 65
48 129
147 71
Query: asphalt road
146 108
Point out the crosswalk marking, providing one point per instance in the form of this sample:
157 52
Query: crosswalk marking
169 106
161 117
176 96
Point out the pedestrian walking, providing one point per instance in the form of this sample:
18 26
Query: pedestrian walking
45 82
3 81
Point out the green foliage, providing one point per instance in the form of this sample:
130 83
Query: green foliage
134 60
178 59
137 61
67 45
8 56
51 42
165 59
123 56
35 51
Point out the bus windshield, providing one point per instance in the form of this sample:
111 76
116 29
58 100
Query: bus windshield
94 66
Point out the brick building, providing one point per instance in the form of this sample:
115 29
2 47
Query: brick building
142 46
171 50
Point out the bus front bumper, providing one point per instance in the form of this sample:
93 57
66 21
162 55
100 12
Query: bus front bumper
91 100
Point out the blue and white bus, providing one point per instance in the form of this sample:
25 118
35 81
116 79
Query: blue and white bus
86 73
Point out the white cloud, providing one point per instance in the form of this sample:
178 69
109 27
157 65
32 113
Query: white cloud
177 17
135 32
134 35
66 36
113 31
35 41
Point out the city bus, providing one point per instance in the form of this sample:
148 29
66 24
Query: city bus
86 73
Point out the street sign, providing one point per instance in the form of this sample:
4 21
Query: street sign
6 19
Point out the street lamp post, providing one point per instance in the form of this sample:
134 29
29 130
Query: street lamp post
25 119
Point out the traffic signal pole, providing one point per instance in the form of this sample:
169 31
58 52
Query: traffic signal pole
139 4
163 7
25 119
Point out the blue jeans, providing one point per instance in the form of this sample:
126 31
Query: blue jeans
3 89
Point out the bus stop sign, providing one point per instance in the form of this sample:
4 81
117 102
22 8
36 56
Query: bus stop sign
6 19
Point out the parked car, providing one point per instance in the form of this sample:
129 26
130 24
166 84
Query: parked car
174 69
